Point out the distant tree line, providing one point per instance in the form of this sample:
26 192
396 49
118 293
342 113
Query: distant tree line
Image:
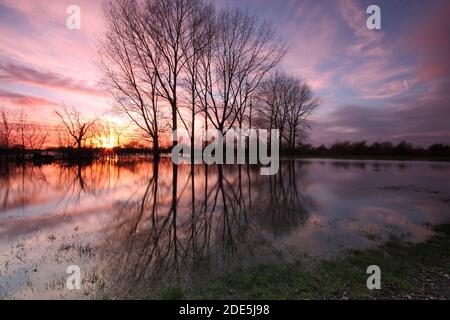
20 137
18 133
75 134
362 148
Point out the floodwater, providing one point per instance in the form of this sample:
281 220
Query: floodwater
131 223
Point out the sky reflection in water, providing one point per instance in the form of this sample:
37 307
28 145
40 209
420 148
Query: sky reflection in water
128 222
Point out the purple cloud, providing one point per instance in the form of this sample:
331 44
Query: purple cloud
21 100
12 72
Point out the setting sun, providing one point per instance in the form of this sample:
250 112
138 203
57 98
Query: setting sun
106 142
108 146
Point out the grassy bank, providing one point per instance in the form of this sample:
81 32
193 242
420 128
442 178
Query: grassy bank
408 271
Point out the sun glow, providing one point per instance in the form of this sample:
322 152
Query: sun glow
108 146
106 143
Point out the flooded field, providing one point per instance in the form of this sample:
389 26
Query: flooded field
132 222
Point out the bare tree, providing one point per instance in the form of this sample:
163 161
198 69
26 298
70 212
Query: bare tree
244 51
118 136
102 134
106 134
78 129
302 104
196 58
36 137
168 24
202 37
130 72
271 102
21 126
146 46
63 138
285 103
5 131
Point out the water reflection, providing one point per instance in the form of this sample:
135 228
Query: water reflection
132 221
194 220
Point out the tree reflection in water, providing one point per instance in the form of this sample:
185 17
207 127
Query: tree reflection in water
193 221
131 221
16 191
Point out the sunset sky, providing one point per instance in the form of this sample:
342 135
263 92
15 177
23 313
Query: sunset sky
392 84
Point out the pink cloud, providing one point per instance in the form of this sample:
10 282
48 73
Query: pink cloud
378 79
12 72
430 40
17 99
367 41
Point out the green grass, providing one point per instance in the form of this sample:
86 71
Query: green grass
408 271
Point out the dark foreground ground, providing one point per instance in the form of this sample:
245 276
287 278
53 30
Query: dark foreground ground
408 271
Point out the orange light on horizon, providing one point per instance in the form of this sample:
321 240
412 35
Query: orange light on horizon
107 142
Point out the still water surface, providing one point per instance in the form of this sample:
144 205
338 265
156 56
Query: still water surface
130 222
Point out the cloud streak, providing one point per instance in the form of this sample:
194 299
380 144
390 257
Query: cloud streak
11 72
21 100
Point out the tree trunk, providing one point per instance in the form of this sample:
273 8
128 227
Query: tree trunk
155 147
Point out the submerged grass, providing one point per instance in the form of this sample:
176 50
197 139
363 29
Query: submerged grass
408 271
